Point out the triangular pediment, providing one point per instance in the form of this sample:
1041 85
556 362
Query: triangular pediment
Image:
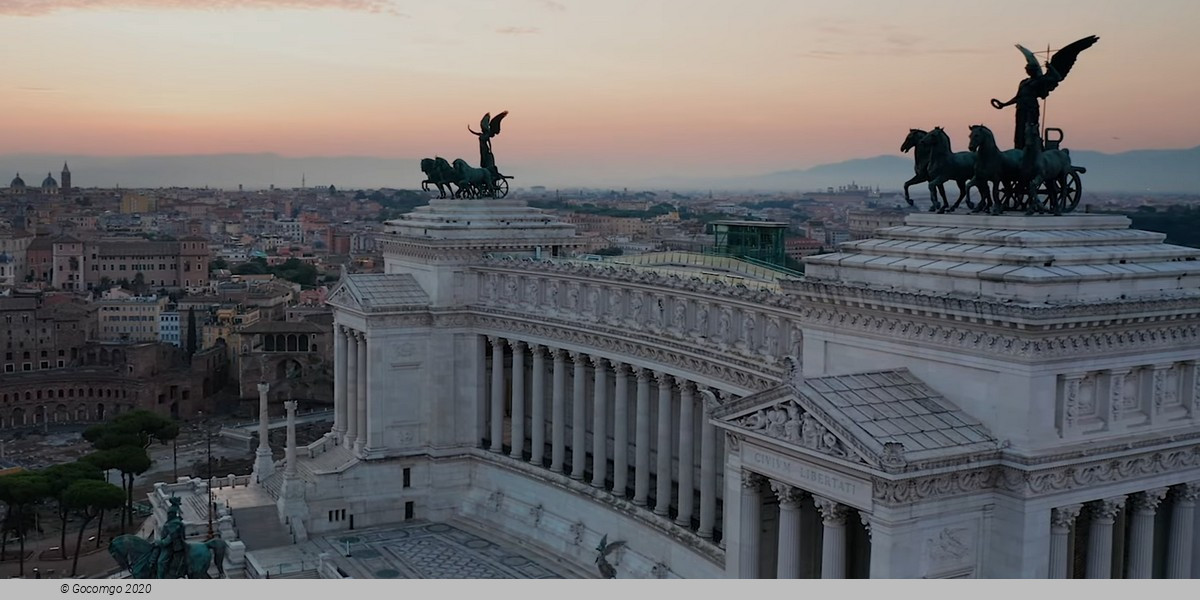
343 297
884 419
378 292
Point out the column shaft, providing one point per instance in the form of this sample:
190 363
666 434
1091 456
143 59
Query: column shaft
687 487
750 526
351 388
662 475
641 476
497 411
339 383
578 417
360 442
1181 536
1100 538
1141 533
620 430
599 422
518 400
558 410
833 538
1061 521
537 431
708 470
289 469
788 554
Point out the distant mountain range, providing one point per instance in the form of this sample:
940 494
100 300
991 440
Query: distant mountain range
1144 171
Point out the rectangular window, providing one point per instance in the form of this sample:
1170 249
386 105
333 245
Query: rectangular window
409 510
45 364
407 477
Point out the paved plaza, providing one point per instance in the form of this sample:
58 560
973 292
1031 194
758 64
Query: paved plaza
418 550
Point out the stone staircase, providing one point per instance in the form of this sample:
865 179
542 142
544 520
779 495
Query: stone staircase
259 527
274 484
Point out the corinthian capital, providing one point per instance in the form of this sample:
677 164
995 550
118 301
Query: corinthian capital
1063 517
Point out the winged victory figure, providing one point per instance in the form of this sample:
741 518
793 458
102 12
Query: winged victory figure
607 571
1039 84
489 127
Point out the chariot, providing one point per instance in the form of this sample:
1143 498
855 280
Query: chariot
1069 186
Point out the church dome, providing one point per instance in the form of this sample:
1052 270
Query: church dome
17 182
49 181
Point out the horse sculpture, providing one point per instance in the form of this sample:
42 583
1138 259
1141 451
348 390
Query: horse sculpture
921 166
946 165
439 172
473 180
140 557
991 167
1040 166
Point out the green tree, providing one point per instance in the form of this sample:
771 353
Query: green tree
139 283
90 498
22 492
126 438
192 342
218 264
60 478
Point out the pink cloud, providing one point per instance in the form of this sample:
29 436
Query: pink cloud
33 8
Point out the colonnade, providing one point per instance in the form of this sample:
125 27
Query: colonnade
617 423
813 535
1117 537
350 389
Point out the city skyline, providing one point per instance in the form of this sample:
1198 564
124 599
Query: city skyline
596 93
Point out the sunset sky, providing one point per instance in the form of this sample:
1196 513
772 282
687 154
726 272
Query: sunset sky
613 88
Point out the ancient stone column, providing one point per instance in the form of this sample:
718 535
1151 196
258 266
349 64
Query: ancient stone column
360 442
1062 519
289 469
518 400
558 410
620 429
788 555
599 422
1181 536
578 417
537 432
662 474
1100 537
351 388
687 461
1141 533
264 465
641 476
497 411
339 383
708 467
833 538
750 525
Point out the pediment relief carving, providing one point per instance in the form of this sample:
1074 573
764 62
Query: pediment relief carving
788 421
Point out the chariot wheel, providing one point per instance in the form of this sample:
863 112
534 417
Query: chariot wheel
1072 191
500 188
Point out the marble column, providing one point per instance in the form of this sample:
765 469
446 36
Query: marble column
518 400
750 525
264 464
788 554
537 409
641 476
360 413
1141 533
620 429
351 388
339 383
662 474
1181 536
1100 537
687 461
599 422
497 405
833 538
558 411
578 416
1062 519
289 469
708 467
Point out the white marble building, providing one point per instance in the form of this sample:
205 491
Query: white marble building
961 396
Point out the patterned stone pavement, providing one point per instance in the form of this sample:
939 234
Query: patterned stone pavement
424 550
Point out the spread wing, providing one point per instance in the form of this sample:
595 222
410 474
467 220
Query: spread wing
1064 59
1030 58
610 548
495 126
